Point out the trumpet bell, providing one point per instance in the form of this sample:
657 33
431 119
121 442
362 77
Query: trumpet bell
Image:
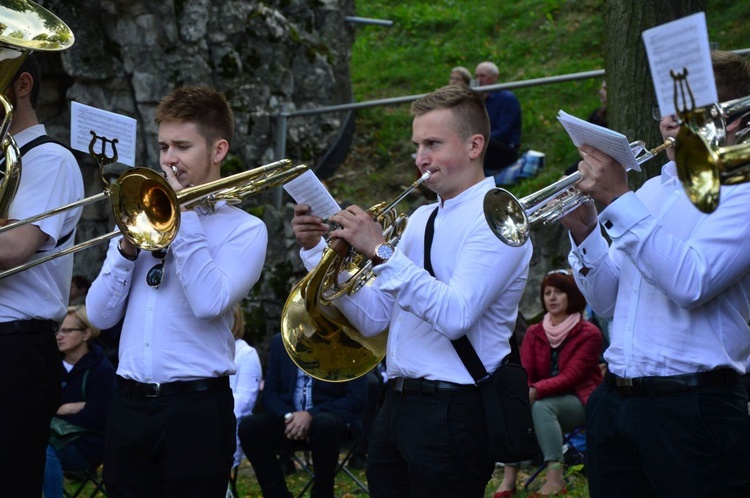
506 217
28 26
145 208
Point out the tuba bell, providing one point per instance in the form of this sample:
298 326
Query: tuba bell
24 27
315 334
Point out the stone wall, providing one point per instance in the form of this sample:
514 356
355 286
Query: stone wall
130 53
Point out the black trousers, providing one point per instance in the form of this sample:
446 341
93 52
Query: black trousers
262 436
30 389
695 443
429 446
171 446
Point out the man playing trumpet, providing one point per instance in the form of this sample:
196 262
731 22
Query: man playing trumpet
671 417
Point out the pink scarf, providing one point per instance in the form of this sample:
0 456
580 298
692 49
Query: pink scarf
556 334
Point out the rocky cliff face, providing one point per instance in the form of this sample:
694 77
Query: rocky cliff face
130 53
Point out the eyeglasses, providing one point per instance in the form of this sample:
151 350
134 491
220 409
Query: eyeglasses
155 275
562 272
66 331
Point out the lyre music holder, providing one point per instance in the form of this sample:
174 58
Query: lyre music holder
101 158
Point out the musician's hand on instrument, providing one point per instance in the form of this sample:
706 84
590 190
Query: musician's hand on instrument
604 179
581 221
170 173
308 229
358 229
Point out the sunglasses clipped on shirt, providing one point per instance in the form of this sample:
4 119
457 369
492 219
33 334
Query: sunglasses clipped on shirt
155 275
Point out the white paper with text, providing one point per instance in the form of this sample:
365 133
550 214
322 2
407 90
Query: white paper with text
84 119
612 143
308 189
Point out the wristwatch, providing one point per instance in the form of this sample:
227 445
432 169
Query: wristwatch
383 253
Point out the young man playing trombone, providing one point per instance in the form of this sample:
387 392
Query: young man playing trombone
429 438
671 418
171 431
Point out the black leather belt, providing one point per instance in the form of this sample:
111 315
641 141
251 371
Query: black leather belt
403 385
143 390
672 384
28 327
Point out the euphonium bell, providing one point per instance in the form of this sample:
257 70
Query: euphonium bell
24 26
316 335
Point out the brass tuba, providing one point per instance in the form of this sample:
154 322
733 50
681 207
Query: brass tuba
317 336
24 27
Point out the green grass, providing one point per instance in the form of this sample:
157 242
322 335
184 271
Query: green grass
526 39
247 486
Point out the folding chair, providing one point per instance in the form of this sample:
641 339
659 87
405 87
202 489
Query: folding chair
88 476
572 454
306 465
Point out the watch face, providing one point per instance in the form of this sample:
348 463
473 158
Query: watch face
384 251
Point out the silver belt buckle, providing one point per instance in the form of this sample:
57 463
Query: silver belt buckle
399 387
622 382
156 391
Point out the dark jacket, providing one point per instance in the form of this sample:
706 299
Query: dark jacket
346 398
100 383
578 361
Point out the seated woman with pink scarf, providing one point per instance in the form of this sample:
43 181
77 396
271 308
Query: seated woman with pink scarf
561 356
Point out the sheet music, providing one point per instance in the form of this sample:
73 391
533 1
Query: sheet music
675 46
308 189
84 119
612 143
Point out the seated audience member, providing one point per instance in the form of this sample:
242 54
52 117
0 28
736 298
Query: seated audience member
504 111
299 408
460 76
561 356
245 383
88 379
79 287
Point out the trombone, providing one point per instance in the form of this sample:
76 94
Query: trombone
704 162
146 208
510 218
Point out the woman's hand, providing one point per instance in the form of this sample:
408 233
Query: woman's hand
532 395
71 408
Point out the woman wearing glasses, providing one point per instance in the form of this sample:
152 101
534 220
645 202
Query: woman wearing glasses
88 379
561 356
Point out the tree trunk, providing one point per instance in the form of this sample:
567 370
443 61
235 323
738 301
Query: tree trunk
630 89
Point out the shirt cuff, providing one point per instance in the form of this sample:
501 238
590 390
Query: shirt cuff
593 248
622 215
311 257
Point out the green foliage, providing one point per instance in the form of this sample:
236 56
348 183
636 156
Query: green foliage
526 39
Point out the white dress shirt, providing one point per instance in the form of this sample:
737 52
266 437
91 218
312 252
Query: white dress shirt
245 384
50 178
676 280
478 285
181 330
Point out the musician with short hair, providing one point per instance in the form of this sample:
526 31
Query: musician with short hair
33 302
171 431
670 418
430 434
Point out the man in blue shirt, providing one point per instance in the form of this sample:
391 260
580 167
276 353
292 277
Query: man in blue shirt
505 121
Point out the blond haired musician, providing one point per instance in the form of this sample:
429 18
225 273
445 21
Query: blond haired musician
33 302
171 430
428 439
670 419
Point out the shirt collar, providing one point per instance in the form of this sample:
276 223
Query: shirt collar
668 172
468 194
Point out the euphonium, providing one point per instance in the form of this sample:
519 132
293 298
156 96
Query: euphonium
318 338
24 26
510 218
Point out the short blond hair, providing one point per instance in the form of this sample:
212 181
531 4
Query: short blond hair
238 326
79 312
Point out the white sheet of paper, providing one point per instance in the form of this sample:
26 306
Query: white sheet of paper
308 189
611 142
84 119
676 46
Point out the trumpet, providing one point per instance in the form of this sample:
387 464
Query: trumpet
315 334
510 218
146 208
704 162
